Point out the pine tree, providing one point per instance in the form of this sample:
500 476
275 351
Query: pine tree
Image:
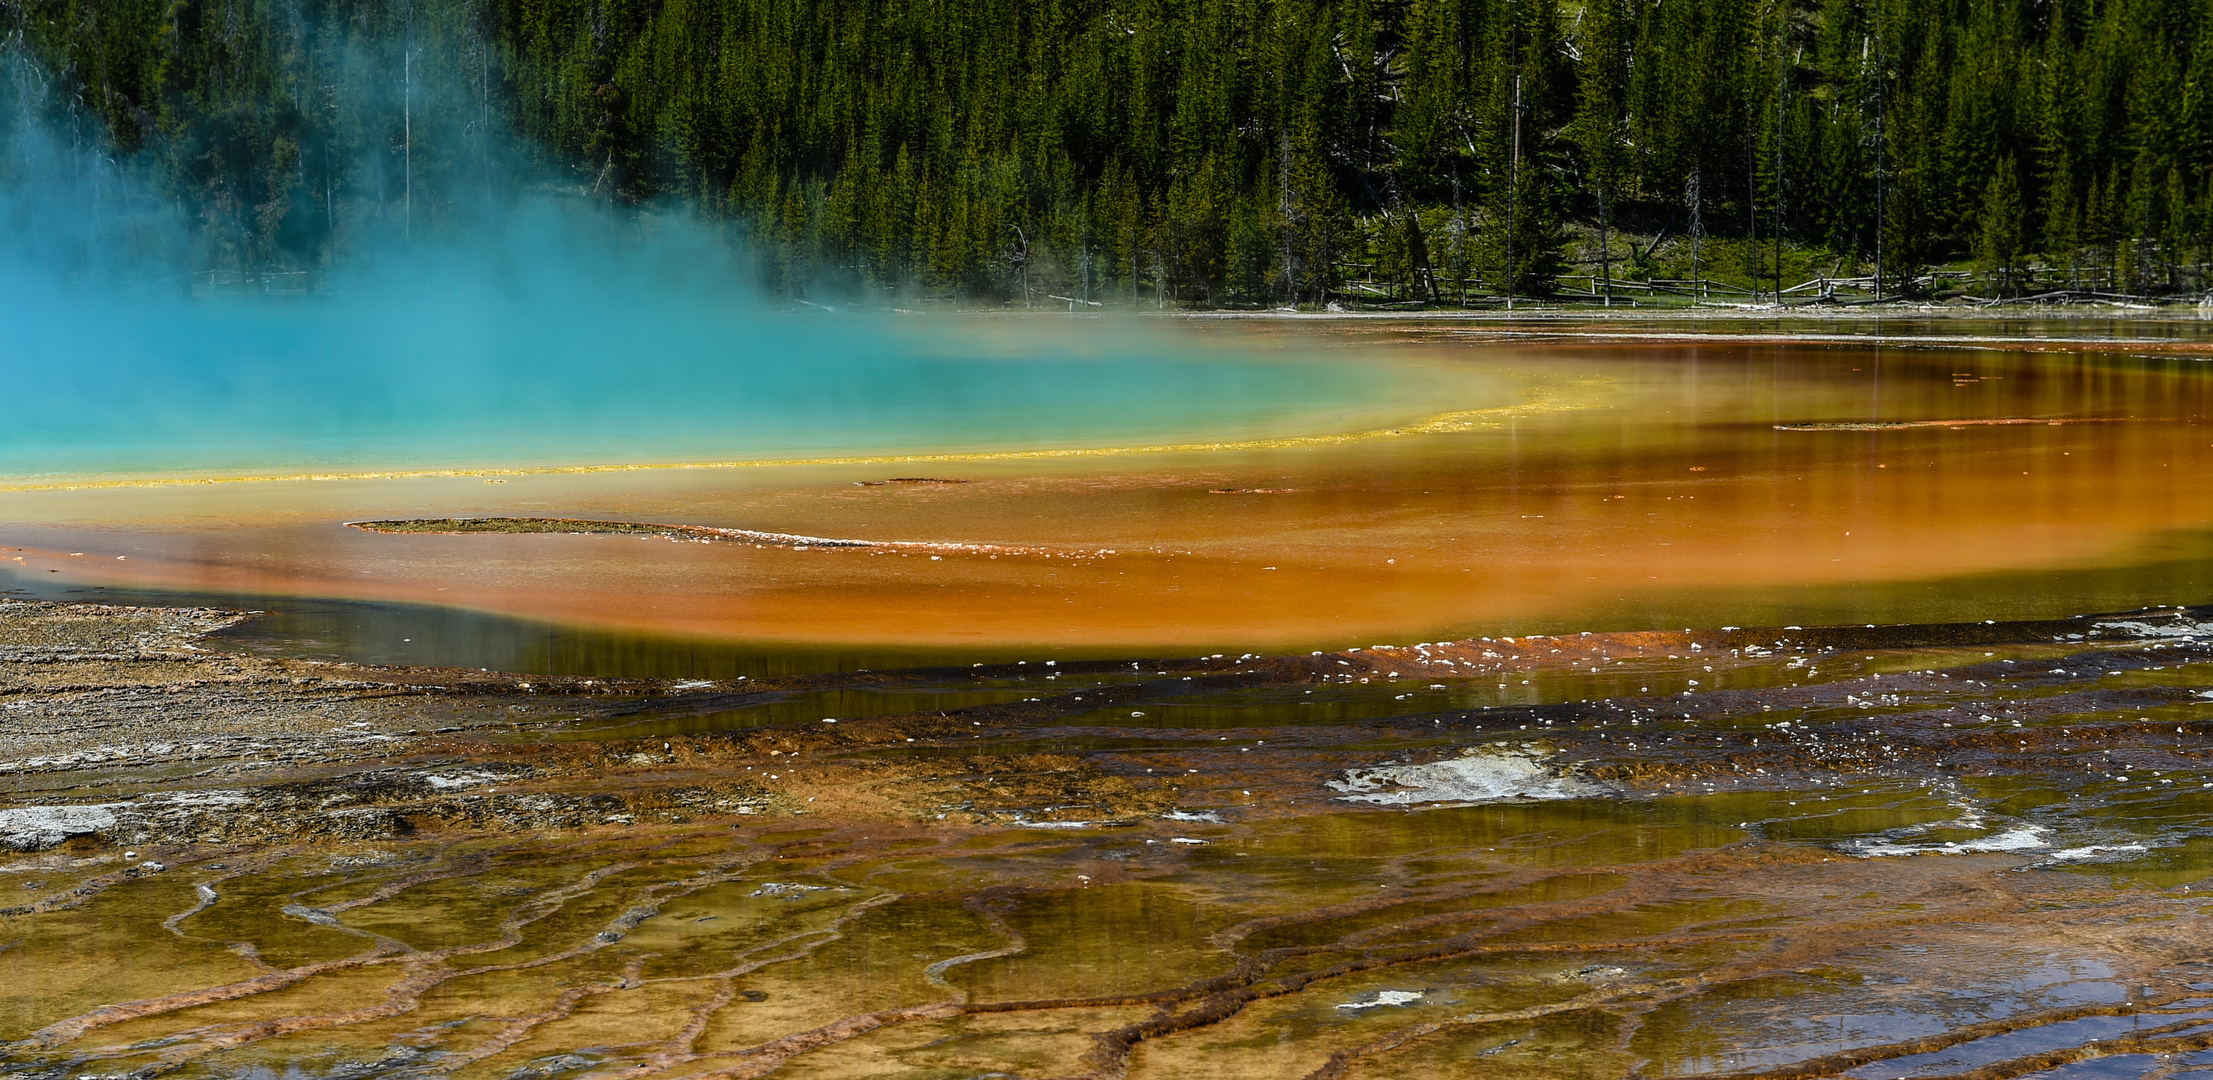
1522 245
2062 212
1601 112
1998 243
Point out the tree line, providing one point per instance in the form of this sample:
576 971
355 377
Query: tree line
1215 152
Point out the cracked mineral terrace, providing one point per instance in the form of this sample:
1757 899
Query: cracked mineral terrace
1956 850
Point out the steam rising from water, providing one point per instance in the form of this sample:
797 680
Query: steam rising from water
532 330
561 341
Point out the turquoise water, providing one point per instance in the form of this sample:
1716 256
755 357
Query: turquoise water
560 351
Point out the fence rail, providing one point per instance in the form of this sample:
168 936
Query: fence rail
2034 284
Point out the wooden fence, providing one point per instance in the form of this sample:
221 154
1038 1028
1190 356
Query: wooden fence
2037 284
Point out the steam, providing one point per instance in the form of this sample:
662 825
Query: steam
558 339
539 328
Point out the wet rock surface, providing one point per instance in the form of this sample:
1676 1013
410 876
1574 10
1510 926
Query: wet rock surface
1961 850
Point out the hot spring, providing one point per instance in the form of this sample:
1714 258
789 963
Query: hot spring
786 691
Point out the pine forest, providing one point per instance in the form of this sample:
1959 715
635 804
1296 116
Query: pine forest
1171 153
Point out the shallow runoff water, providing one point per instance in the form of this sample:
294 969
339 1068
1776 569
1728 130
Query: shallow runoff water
1825 699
